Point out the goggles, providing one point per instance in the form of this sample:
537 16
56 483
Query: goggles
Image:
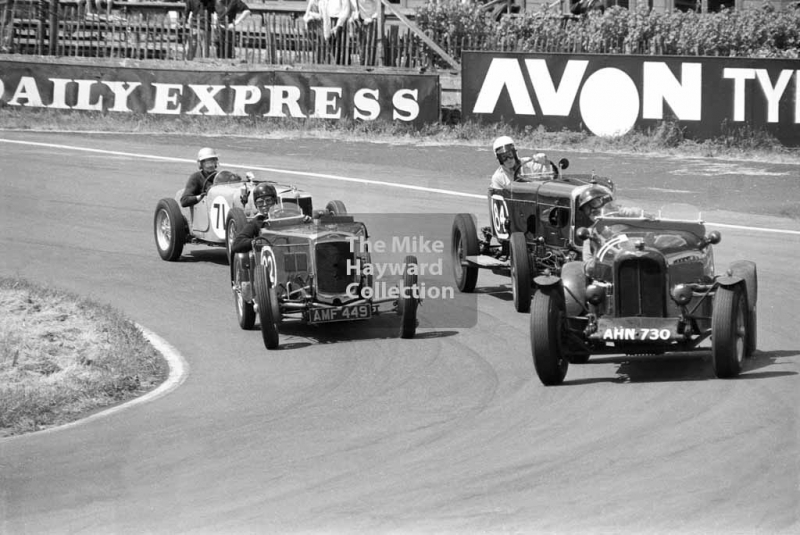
265 202
505 156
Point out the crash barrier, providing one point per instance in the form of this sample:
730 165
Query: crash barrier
155 30
611 95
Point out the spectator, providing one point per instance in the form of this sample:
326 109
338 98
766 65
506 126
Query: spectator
230 14
201 181
513 169
6 26
197 15
362 14
94 8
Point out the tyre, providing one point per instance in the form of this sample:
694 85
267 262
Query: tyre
573 278
245 312
408 302
520 272
728 331
748 272
266 299
547 316
336 208
169 228
464 243
233 225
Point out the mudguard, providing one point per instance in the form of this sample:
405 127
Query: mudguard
726 281
546 280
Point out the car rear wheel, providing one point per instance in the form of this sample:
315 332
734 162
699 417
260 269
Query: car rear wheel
245 313
547 317
233 225
267 301
520 272
464 243
728 331
409 298
748 272
169 228
336 208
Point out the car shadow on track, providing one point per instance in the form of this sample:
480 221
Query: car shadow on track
211 255
674 367
379 328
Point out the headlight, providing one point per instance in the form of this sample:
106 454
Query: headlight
682 294
595 294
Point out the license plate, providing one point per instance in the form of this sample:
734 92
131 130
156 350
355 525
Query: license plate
345 313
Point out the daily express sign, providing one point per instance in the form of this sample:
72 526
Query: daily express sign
356 96
611 95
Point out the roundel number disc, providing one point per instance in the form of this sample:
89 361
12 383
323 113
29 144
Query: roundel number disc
217 213
268 261
499 216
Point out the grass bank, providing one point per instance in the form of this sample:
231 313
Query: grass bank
63 357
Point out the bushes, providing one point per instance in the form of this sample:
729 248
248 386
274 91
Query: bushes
761 32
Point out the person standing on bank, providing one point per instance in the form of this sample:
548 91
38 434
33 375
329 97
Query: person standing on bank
230 14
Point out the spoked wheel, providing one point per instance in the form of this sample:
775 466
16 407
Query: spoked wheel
267 304
520 272
245 312
233 226
409 298
464 243
728 331
547 318
169 229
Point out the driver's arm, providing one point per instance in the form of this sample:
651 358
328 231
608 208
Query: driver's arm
193 191
242 241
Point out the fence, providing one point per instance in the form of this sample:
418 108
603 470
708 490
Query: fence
157 31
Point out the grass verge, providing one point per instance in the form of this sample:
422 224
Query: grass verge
63 357
666 139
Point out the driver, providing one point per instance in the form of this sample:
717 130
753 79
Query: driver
201 181
264 197
512 167
591 201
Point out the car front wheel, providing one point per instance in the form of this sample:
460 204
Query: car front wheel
245 313
547 317
728 332
464 243
409 298
267 301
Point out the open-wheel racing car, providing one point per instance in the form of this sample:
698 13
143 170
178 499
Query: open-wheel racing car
533 231
216 219
646 286
313 273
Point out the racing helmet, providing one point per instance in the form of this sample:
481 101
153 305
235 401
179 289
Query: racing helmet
264 192
206 153
503 146
595 197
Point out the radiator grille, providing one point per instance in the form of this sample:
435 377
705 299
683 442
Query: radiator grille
332 262
640 288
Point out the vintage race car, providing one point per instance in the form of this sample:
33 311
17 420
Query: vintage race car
533 224
646 285
315 272
214 221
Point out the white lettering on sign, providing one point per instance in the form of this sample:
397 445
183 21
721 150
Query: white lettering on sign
609 101
168 98
326 105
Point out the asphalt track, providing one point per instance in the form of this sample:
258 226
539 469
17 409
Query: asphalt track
350 430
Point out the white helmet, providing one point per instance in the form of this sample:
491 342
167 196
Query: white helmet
206 153
502 146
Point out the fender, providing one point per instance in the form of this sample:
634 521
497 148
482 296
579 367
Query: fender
727 281
546 280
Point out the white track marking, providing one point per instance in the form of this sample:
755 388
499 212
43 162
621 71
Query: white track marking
178 370
334 177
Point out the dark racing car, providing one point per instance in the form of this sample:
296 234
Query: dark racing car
533 231
314 273
646 285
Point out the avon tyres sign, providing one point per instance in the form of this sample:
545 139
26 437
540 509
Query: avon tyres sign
390 97
610 95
